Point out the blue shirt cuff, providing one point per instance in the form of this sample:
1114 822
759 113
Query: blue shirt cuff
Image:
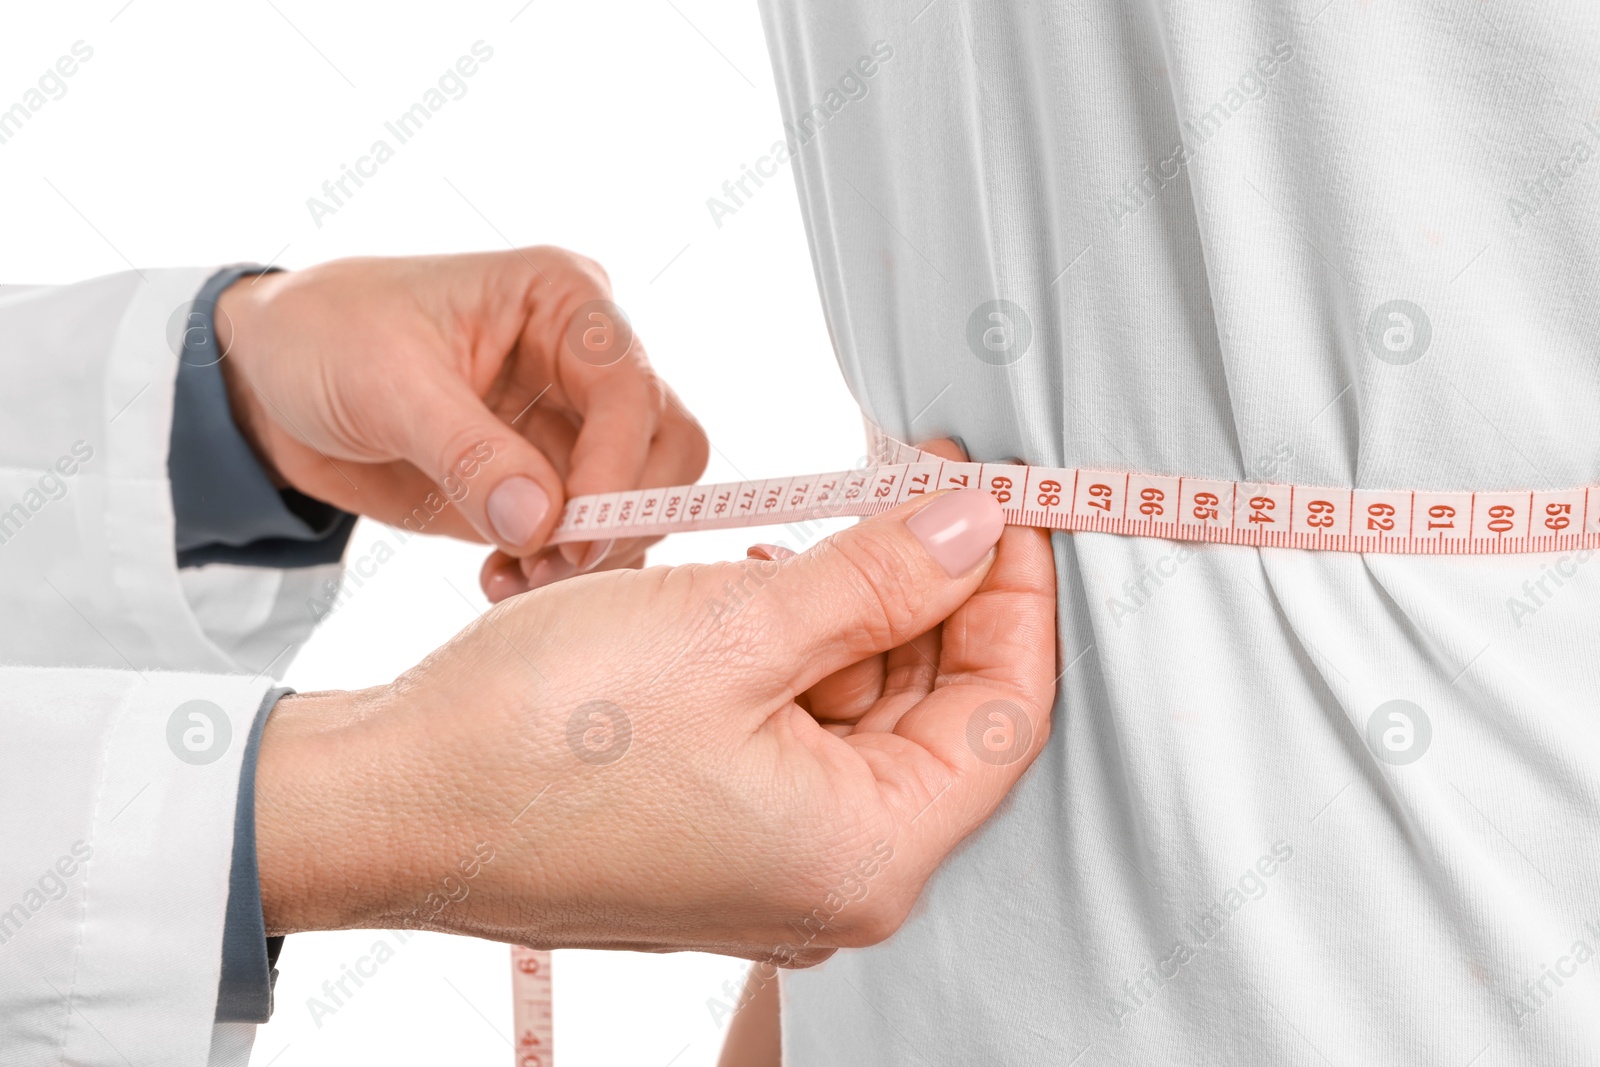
249 957
227 509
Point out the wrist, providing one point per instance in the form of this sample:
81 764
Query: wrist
239 321
324 843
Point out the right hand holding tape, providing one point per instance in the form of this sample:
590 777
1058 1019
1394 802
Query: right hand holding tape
764 758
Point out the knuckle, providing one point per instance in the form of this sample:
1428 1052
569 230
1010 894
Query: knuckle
578 265
466 449
699 443
686 433
888 583
700 453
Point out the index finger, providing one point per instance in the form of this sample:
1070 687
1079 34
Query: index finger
621 407
600 374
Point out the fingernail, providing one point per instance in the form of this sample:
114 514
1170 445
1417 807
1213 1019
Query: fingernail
770 553
959 529
961 443
547 570
516 508
597 553
503 585
585 555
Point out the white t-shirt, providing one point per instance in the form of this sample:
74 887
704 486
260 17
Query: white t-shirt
1343 245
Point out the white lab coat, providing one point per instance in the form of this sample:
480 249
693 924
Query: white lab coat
114 853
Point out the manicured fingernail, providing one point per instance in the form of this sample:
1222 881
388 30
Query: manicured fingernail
516 508
770 553
585 555
959 529
547 570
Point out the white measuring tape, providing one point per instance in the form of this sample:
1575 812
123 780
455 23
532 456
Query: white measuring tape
1265 514
531 1007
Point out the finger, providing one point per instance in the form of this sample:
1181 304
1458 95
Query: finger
452 435
989 712
677 457
616 561
873 694
504 576
619 406
501 577
907 672
945 448
546 568
846 695
635 434
680 451
881 687
910 674
553 433
602 383
395 493
876 585
609 556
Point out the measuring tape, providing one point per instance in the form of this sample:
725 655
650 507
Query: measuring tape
531 1007
1264 514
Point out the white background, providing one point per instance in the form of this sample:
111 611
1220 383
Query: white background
195 135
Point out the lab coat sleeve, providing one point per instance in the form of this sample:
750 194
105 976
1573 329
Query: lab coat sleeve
227 508
87 568
114 861
115 842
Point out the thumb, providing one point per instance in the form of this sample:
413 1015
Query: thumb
504 486
882 582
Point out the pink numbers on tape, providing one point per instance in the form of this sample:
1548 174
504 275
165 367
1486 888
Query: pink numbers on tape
1136 505
532 1007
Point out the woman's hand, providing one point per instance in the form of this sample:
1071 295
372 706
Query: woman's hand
467 395
764 758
